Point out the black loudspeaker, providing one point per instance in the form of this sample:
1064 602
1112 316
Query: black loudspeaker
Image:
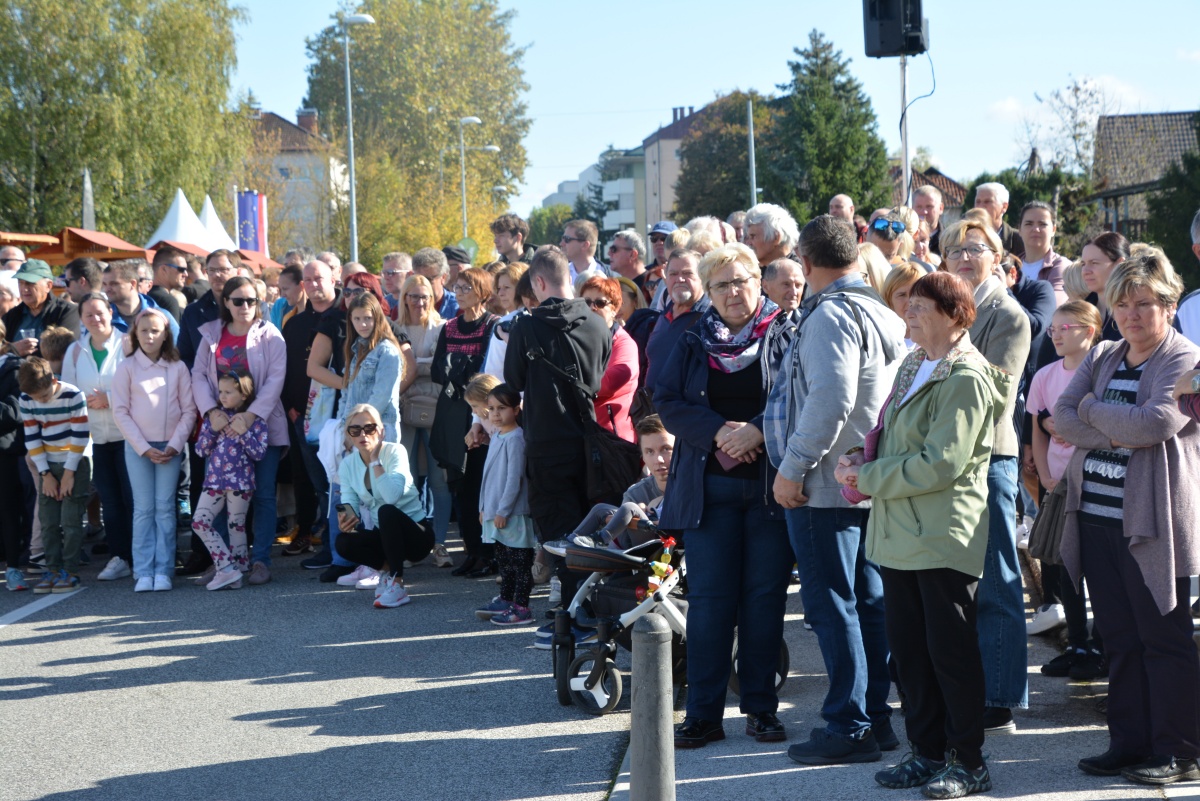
894 28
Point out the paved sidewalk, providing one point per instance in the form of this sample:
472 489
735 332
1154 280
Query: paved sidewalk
1038 762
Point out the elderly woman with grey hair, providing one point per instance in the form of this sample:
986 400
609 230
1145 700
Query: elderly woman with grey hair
1132 510
771 232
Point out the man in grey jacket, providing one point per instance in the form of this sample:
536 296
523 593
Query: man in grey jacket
844 358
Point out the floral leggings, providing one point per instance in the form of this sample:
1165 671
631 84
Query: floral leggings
208 508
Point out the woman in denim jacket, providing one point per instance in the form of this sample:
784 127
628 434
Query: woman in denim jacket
373 364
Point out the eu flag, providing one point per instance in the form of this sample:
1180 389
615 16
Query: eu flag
248 220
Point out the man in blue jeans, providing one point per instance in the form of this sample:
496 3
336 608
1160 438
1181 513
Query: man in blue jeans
844 357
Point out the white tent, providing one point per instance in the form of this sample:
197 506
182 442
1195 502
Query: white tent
212 224
182 225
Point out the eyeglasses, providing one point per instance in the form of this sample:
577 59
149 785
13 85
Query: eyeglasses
883 224
221 270
969 252
418 298
736 285
657 239
240 302
616 248
462 289
1065 327
358 431
565 238
598 303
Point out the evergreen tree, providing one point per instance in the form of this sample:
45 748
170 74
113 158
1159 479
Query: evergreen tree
1172 207
715 175
825 140
546 223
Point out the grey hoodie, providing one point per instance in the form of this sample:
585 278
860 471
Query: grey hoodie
832 386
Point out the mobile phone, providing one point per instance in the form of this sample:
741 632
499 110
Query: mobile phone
345 508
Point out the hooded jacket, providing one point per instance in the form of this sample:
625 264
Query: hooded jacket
79 368
928 482
844 357
572 337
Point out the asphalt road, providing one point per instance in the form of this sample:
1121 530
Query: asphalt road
292 690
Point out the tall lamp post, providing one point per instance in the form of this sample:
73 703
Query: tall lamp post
347 21
462 162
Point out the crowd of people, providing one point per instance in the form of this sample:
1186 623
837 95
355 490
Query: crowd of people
878 407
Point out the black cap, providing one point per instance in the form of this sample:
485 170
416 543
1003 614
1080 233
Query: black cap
456 254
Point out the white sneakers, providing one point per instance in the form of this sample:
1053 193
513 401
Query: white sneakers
441 558
144 584
393 595
371 582
117 568
555 591
162 583
356 575
1046 618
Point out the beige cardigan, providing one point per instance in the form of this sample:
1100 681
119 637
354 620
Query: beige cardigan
1162 504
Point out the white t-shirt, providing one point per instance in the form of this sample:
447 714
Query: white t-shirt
1032 268
923 372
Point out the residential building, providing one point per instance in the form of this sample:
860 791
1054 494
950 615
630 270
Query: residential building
310 178
663 164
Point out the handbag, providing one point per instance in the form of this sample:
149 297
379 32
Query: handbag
613 464
418 411
320 409
870 450
1045 539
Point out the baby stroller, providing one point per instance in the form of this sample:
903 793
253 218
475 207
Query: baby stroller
623 586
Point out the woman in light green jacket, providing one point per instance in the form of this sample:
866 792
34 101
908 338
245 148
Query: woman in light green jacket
928 532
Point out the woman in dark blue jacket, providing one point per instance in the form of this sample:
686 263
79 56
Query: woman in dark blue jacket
711 394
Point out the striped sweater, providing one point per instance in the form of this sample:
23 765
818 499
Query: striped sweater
57 431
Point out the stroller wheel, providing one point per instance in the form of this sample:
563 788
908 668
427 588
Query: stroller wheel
605 695
781 667
563 654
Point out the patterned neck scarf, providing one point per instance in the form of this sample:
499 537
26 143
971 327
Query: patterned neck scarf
729 352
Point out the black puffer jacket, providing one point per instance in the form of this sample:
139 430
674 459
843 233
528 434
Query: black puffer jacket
12 435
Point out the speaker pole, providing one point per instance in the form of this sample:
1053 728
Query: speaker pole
904 130
753 174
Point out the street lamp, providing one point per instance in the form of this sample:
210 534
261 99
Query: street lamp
347 21
498 191
462 162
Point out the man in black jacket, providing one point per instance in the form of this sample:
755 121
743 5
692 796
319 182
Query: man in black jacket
565 332
221 265
38 310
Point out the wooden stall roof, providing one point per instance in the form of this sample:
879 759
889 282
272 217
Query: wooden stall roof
10 238
76 242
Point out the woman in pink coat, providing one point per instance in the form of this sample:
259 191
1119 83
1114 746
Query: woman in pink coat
620 381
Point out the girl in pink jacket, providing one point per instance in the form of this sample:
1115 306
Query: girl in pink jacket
155 410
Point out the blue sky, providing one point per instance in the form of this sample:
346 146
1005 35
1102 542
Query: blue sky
610 72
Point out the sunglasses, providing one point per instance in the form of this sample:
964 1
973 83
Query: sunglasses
598 303
357 431
883 224
239 302
657 239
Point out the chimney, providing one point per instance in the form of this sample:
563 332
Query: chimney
691 110
306 118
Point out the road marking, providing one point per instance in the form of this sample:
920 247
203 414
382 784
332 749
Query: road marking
37 606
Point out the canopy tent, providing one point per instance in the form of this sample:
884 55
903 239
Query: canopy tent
76 242
182 225
212 224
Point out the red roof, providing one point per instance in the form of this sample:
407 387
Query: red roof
292 138
76 242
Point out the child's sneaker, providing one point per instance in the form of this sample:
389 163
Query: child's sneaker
515 616
228 577
67 582
498 606
36 565
555 597
117 568
392 596
46 585
15 580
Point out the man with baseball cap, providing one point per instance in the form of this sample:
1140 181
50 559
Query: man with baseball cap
648 281
38 310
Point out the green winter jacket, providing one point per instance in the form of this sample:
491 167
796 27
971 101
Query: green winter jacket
929 478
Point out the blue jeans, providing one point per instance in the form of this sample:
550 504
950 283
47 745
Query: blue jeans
739 563
154 512
843 601
435 493
335 497
111 479
1001 619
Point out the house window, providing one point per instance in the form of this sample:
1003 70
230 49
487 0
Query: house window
285 173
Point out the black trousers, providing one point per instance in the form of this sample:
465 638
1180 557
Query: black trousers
1153 667
13 522
466 491
302 485
396 538
930 619
558 499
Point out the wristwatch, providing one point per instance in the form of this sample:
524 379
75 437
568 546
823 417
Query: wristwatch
43 472
1196 383
376 463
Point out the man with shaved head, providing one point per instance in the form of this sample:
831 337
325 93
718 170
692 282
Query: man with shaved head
842 206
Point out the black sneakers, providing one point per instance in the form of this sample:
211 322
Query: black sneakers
1092 666
1110 763
998 720
826 748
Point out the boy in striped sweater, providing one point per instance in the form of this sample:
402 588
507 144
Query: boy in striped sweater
59 443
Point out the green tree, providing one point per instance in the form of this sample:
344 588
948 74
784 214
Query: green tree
1172 206
1068 193
715 174
546 223
135 90
825 140
416 72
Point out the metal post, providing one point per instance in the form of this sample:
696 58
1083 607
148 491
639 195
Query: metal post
753 172
904 128
651 737
462 161
350 149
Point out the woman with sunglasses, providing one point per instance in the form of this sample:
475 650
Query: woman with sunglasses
461 348
380 515
617 389
891 233
241 342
